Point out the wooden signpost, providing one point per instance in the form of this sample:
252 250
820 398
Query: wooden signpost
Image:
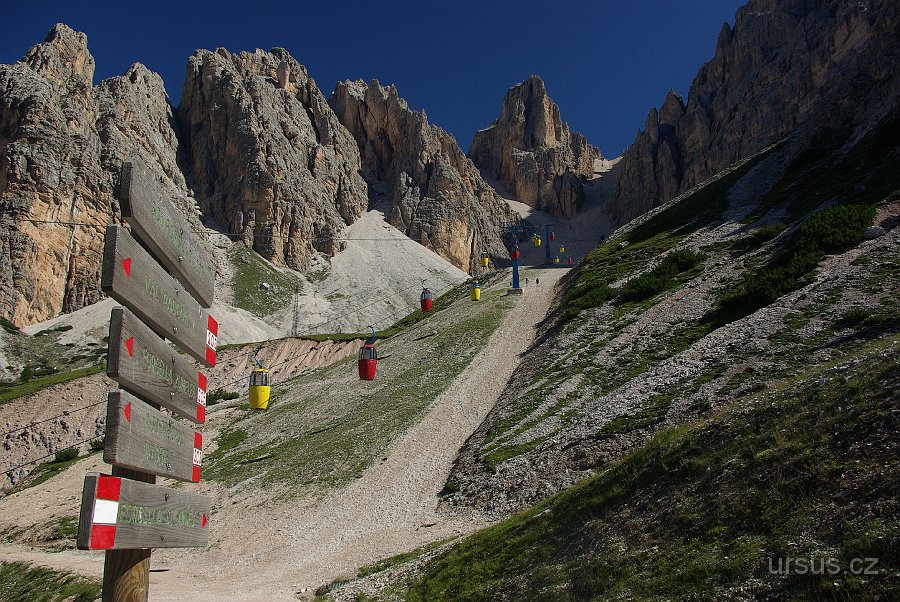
132 277
165 232
144 364
126 513
140 437
120 514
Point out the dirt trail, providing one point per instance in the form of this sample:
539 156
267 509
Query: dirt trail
392 508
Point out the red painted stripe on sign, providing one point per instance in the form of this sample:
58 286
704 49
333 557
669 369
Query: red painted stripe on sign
126 265
201 380
128 411
103 537
108 488
211 356
129 345
203 524
201 413
195 474
212 325
198 440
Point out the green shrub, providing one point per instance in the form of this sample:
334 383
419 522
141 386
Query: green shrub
26 374
97 444
585 297
833 230
758 237
221 395
64 455
8 326
660 278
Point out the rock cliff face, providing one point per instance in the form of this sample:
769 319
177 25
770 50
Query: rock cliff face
436 195
268 158
531 151
49 172
62 143
787 67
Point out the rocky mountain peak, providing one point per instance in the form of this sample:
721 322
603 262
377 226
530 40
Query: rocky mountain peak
269 159
530 150
62 57
785 69
672 109
431 191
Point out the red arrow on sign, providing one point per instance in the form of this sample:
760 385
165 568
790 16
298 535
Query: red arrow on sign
128 412
129 344
126 265
203 524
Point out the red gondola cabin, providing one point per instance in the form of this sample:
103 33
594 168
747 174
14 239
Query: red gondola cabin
515 254
368 358
427 299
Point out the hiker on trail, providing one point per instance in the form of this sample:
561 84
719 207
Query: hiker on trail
537 280
526 282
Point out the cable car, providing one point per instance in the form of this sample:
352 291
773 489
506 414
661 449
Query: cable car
368 358
537 241
515 254
562 249
426 299
569 261
475 291
259 386
556 259
552 236
485 259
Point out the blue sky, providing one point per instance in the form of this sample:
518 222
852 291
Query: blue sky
605 63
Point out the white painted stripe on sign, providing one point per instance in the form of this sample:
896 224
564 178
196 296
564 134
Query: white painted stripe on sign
105 512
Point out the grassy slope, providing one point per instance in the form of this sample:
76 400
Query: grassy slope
250 272
20 581
810 470
868 175
325 428
11 391
606 264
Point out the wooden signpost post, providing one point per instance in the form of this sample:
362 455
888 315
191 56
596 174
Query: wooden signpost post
165 233
134 279
125 513
144 364
140 437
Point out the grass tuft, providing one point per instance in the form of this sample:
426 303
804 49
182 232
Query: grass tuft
22 581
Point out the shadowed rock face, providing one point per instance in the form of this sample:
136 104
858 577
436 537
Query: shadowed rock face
436 195
787 67
531 151
269 160
63 142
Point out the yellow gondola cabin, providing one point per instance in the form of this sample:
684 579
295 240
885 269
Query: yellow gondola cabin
259 389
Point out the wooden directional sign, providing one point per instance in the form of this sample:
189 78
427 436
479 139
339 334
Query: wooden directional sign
143 363
134 279
167 234
118 514
140 437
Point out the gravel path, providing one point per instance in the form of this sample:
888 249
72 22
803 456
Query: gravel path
393 507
